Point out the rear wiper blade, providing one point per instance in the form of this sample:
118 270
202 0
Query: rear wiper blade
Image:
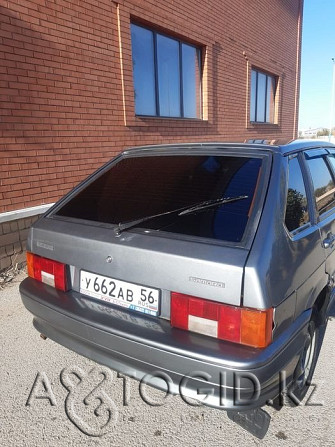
122 226
210 204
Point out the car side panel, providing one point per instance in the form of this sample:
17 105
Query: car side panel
279 264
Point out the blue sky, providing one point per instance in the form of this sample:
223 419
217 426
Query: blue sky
318 49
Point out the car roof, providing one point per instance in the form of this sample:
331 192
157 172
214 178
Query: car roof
284 149
303 145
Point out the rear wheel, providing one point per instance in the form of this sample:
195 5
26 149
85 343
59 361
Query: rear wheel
304 370
303 374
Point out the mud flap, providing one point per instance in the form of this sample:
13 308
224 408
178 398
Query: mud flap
255 421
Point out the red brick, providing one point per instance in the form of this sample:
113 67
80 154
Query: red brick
61 101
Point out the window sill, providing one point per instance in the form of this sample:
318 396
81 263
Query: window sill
147 120
178 118
253 125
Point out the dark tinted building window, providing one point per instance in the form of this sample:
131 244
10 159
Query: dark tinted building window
296 206
144 186
144 71
166 75
262 97
324 188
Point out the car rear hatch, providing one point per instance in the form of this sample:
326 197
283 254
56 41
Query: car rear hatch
147 225
210 271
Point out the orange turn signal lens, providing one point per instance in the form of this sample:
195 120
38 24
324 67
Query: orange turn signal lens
30 264
256 327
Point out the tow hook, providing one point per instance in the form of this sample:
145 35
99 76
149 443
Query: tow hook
43 337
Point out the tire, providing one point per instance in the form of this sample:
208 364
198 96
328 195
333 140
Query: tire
304 371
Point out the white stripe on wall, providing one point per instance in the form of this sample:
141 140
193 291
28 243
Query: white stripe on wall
25 212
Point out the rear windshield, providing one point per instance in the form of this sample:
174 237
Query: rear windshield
140 187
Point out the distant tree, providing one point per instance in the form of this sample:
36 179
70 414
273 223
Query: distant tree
324 189
323 132
320 191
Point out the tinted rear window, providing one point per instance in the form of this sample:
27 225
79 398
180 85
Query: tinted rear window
296 205
144 186
323 182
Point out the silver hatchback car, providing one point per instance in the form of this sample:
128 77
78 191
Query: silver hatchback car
208 267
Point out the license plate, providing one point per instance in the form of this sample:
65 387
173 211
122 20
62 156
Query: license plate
124 294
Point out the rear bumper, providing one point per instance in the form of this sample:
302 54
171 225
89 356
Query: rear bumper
218 373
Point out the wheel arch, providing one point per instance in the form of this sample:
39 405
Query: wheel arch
320 307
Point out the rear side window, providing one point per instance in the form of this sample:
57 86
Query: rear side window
139 187
323 182
296 206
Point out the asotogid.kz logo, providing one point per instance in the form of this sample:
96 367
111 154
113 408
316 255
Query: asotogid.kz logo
91 408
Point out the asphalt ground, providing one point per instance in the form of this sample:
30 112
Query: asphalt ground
43 386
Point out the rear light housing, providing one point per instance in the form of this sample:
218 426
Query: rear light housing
47 271
251 327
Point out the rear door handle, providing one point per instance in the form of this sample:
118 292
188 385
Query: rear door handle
329 241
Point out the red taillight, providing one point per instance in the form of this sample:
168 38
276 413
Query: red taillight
47 271
250 327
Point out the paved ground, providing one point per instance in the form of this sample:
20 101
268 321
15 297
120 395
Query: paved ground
26 358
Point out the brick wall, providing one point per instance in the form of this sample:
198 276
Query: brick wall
13 238
66 88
